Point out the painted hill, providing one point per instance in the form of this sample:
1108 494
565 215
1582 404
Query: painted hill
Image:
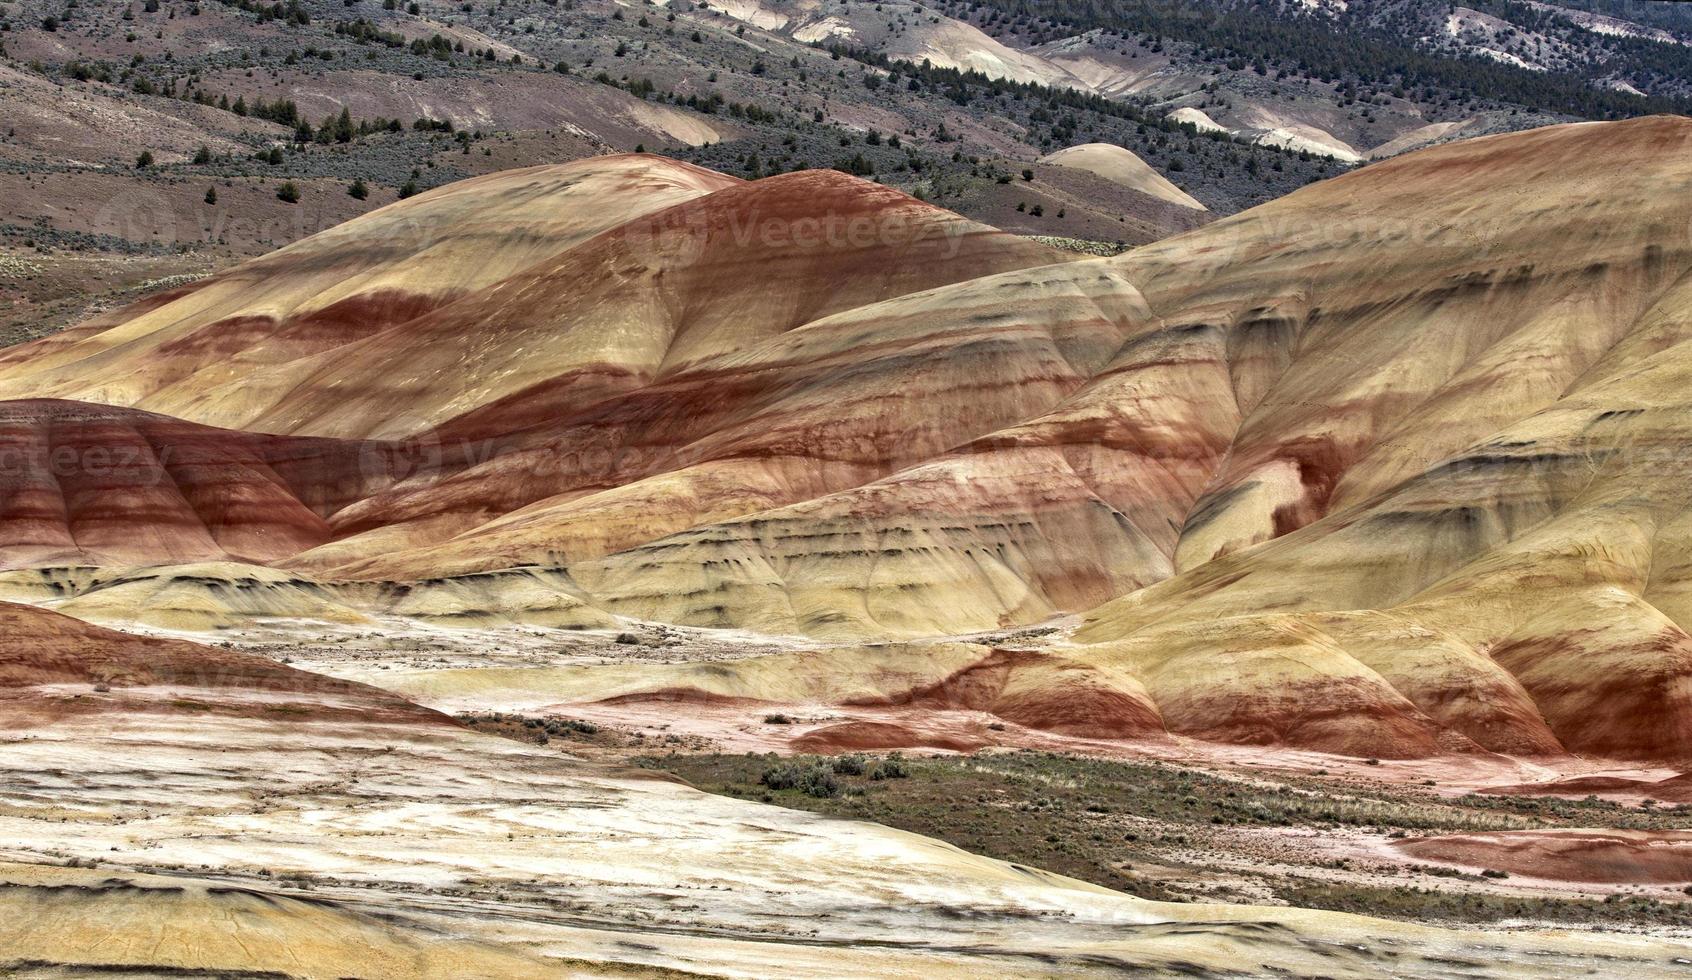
86 484
295 307
1413 469
1121 166
514 289
1384 467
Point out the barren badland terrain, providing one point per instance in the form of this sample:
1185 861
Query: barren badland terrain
830 489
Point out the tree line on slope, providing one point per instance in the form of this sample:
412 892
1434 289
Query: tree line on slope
1349 48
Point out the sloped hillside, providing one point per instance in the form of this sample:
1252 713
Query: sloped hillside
87 484
1408 441
1120 166
1248 379
348 283
1387 466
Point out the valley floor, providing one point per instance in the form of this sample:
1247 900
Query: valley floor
220 813
1456 841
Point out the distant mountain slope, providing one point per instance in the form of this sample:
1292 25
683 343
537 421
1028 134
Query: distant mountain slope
186 128
1350 78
